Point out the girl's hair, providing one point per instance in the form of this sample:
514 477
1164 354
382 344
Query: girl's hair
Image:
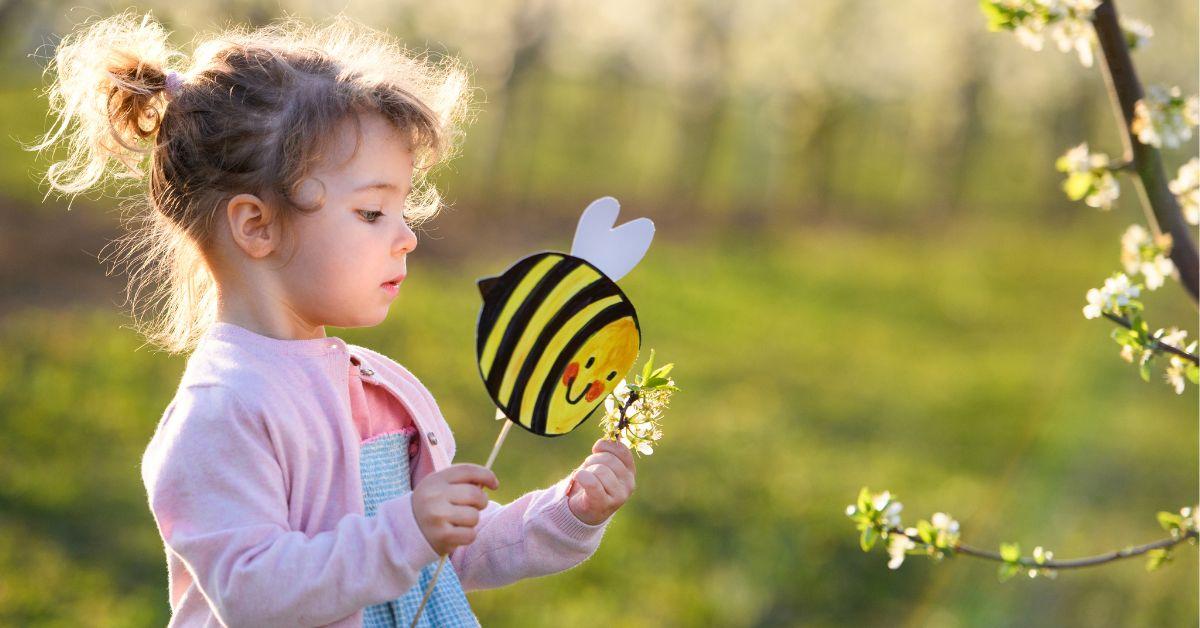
254 113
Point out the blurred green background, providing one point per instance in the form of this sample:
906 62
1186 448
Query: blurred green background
864 270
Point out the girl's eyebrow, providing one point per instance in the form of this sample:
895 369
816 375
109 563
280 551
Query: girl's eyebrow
378 185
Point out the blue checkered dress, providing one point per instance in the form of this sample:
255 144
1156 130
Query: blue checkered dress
385 475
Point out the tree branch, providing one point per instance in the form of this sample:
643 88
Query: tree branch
1159 204
1072 563
1154 344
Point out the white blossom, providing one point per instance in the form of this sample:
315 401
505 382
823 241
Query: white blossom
1116 293
1186 188
1141 254
942 522
1081 159
1137 32
1164 117
891 515
1067 21
1072 34
1105 191
1156 271
1132 241
1175 373
1089 177
946 529
898 546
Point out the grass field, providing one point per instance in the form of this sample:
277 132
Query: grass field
948 363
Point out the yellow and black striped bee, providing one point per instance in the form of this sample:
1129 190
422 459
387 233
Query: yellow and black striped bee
555 333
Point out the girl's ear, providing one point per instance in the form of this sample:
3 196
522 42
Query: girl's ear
253 225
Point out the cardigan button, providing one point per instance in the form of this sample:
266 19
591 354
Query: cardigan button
432 437
366 370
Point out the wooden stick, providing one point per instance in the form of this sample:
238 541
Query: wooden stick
442 563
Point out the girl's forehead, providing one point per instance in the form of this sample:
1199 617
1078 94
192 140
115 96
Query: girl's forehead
373 157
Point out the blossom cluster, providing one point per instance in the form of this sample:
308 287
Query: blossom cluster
1010 553
1164 117
1117 294
1067 22
632 411
1186 187
1179 370
1137 32
1148 256
1089 177
1184 524
877 516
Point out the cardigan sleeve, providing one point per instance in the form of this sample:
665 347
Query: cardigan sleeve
534 535
220 501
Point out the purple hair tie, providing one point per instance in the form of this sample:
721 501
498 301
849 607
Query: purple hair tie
173 83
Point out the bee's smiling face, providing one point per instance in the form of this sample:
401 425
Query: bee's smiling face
592 373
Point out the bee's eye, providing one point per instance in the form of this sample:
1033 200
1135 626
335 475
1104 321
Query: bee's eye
590 362
612 375
370 215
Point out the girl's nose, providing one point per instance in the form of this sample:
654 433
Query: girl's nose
406 241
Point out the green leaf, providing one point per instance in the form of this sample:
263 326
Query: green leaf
1078 185
868 538
925 531
1008 570
864 500
1144 370
648 367
1158 557
654 382
664 370
1125 337
1192 372
1169 520
1010 552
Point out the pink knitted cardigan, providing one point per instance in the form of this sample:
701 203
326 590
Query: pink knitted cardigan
253 479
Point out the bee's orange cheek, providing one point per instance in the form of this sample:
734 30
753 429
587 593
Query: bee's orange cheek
571 373
595 389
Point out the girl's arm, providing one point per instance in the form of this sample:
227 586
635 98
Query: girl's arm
219 499
534 535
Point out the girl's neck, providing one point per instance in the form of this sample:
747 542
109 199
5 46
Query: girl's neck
268 322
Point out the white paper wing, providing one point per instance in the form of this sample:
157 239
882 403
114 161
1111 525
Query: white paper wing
614 250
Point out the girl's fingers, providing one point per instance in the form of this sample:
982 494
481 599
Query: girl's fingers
591 484
608 460
467 495
465 473
612 484
617 449
463 517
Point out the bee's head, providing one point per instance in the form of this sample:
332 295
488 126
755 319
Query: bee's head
592 372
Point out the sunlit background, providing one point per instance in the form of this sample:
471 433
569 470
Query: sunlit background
864 269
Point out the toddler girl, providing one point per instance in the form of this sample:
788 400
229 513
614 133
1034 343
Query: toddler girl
296 479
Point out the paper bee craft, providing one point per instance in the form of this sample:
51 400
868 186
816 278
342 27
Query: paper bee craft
555 332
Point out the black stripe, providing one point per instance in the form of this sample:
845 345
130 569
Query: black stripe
602 288
516 326
609 314
493 304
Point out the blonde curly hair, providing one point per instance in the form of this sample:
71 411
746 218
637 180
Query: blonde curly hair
253 112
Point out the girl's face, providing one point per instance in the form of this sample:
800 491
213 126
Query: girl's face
350 256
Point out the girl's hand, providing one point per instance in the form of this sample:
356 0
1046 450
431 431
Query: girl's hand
602 483
446 504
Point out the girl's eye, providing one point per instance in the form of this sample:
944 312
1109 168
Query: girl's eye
370 215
